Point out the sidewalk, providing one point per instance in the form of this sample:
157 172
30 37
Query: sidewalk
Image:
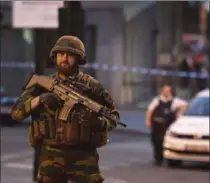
134 120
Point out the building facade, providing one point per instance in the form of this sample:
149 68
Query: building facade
132 34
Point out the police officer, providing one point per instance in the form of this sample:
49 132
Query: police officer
162 111
68 149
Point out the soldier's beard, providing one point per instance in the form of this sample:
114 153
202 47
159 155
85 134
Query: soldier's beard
67 71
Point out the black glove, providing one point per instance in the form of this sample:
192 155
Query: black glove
82 115
99 124
51 100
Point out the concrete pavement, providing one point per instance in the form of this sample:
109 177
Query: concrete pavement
127 159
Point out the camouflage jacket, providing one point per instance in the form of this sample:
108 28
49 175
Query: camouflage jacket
22 109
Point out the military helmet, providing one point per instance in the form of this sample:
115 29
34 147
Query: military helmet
70 44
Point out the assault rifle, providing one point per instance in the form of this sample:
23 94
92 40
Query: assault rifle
70 97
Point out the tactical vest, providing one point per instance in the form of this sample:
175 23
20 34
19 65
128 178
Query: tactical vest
49 130
163 113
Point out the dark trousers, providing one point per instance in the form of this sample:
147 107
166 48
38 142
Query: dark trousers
157 136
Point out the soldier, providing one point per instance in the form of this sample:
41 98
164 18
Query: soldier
68 149
161 113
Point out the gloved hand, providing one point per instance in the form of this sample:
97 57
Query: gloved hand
51 100
82 115
99 124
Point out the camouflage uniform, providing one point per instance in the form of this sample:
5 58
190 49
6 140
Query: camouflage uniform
68 149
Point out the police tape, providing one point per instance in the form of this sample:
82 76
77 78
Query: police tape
117 68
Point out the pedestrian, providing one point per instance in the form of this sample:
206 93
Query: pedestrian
162 112
68 149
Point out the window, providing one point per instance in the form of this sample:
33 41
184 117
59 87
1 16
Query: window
191 16
199 107
12 45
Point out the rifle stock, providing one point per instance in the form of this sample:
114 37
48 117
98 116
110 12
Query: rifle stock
43 81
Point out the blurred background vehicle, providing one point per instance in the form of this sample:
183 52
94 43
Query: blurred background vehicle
187 139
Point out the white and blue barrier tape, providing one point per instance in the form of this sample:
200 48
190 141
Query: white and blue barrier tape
115 68
148 71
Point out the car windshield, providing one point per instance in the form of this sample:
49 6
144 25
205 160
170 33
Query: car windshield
198 107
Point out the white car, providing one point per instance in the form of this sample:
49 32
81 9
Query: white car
187 139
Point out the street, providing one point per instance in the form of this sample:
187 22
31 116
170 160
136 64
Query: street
127 159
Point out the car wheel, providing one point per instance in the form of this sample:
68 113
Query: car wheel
174 163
